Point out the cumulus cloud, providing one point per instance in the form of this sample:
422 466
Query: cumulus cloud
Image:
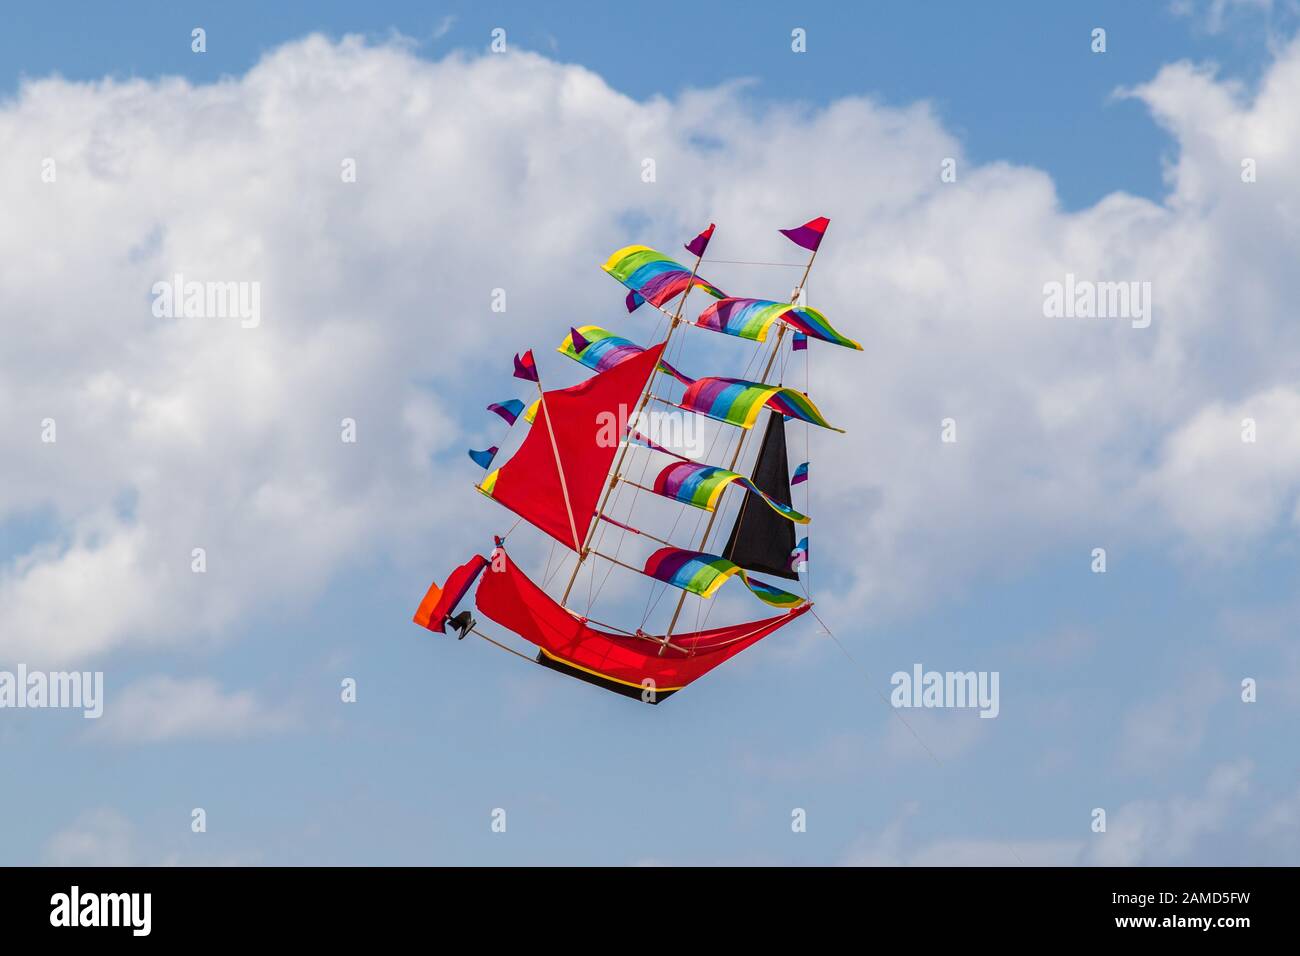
1149 832
1138 833
107 837
102 837
1172 725
517 172
167 708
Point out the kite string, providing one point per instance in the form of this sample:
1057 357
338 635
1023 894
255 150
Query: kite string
894 710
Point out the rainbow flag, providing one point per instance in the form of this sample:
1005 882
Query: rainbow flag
652 276
751 319
739 402
483 458
700 486
703 574
601 350
800 474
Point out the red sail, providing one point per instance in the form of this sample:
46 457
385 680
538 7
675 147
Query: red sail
586 422
616 661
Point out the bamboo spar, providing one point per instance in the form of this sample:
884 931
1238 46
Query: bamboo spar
740 442
645 397
559 466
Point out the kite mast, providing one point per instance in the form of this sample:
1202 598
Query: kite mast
740 442
645 397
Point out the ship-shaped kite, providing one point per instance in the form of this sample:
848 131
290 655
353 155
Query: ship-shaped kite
589 455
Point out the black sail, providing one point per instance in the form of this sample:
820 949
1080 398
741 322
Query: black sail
761 539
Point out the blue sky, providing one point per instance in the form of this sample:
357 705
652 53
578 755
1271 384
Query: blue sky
1118 690
1008 78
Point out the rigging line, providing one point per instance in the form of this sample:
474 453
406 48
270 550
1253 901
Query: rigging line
647 457
658 590
581 543
594 590
598 540
807 456
546 578
754 359
617 497
509 650
750 262
894 710
718 433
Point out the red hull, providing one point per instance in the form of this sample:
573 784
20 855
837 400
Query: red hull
508 597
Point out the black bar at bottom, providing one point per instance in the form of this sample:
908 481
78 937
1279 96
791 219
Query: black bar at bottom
333 905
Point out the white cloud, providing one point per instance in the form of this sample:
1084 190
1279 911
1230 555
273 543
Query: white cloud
166 708
1214 15
1221 488
101 837
518 172
1138 833
1170 726
444 26
106 837
1143 833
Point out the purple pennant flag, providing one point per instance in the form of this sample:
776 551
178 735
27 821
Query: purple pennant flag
809 235
697 245
579 342
800 474
799 343
525 367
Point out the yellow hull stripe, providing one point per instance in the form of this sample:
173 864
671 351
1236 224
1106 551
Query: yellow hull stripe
588 670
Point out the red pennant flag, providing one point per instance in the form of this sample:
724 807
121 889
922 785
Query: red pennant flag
697 245
525 367
809 235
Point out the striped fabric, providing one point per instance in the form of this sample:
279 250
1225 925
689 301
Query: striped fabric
601 350
739 402
652 276
751 319
701 486
703 574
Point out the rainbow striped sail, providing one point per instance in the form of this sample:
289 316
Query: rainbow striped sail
701 485
702 574
652 276
751 319
601 350
739 402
